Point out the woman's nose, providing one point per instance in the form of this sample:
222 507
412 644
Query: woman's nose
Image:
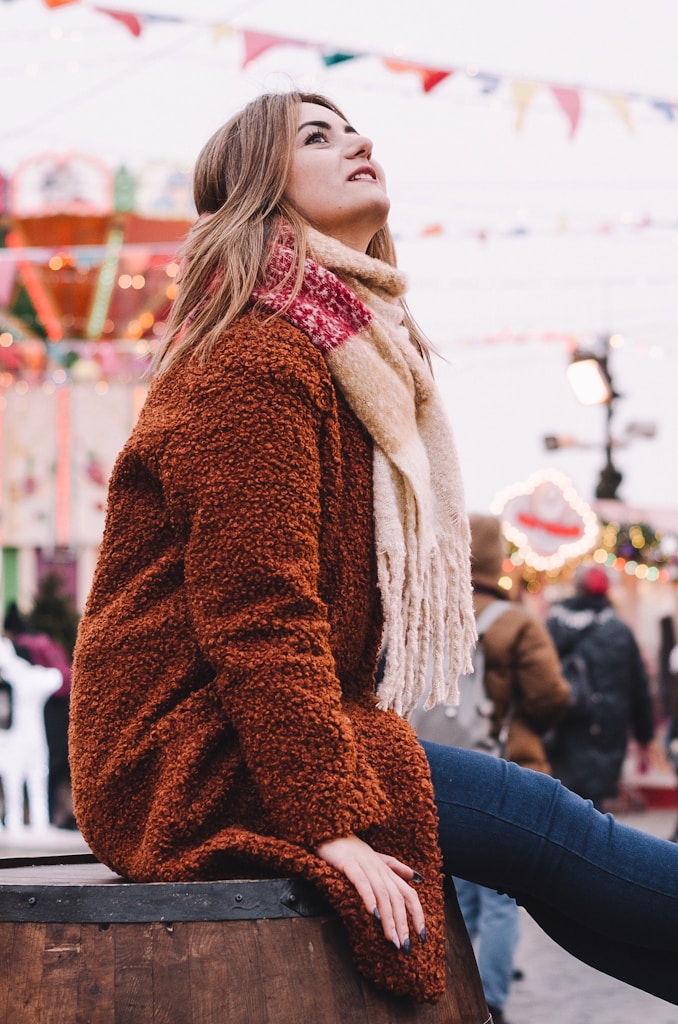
361 146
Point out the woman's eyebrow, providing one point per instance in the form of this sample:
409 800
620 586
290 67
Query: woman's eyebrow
348 129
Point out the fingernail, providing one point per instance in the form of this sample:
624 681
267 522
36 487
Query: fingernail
395 940
406 943
376 913
422 935
416 877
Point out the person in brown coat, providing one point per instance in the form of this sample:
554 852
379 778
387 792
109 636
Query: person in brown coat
522 679
289 494
522 669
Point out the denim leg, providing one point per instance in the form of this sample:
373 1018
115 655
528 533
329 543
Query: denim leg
606 892
468 897
494 925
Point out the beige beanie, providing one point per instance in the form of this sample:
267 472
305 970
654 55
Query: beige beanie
488 550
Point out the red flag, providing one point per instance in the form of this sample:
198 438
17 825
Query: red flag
569 101
429 77
130 21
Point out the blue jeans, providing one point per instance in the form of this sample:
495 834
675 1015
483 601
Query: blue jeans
603 891
492 921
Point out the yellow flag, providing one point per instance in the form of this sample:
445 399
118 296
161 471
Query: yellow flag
523 94
621 105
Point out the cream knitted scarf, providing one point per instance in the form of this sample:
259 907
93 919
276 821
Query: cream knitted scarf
349 307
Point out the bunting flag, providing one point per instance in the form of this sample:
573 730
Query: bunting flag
523 94
569 101
257 43
429 76
337 58
665 108
126 18
620 104
224 31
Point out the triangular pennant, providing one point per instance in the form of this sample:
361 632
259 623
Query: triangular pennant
257 43
164 17
666 108
523 94
488 83
620 104
337 58
429 76
220 31
432 230
569 101
130 21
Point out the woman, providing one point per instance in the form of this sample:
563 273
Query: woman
289 494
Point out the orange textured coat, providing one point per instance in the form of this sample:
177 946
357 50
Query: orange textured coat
223 710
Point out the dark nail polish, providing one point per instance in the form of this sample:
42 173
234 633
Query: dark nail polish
406 943
395 940
416 877
376 913
422 935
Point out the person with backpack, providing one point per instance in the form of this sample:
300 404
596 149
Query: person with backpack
612 698
514 695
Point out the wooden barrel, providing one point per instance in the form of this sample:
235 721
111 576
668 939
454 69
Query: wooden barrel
79 945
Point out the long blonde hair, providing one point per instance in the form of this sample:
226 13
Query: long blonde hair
238 188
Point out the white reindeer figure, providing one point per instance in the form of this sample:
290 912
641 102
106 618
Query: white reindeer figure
24 756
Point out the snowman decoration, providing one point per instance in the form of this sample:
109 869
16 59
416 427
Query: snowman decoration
24 755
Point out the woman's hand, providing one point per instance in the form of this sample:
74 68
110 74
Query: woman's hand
382 882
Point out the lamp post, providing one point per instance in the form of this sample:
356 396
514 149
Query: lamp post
590 378
591 381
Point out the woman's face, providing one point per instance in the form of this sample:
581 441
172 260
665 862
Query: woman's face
334 183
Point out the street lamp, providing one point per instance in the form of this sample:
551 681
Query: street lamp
590 379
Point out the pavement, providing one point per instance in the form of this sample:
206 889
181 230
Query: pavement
558 989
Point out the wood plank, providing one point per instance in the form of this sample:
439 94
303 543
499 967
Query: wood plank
172 994
211 972
23 994
6 965
96 984
60 971
230 952
133 973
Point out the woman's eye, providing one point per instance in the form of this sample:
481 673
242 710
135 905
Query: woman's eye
315 136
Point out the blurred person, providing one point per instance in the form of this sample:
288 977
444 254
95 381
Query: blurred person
612 699
668 674
289 495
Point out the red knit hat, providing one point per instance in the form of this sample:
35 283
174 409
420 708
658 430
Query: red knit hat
595 581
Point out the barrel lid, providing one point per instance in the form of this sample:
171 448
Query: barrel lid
78 887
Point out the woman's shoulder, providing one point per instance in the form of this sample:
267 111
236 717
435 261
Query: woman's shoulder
255 358
256 352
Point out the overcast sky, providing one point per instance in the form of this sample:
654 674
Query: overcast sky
538 235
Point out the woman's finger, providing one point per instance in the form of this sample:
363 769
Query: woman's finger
382 882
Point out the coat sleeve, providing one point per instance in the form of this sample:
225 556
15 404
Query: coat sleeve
245 478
